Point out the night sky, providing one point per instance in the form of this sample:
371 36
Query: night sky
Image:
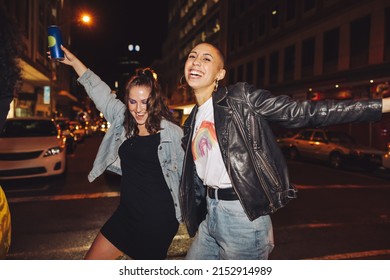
117 23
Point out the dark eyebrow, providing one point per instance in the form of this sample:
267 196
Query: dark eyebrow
205 54
142 100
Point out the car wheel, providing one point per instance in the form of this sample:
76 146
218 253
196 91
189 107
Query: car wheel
335 160
293 153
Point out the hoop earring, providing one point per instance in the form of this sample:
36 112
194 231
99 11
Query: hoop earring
216 85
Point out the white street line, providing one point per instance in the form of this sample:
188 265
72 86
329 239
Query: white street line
62 197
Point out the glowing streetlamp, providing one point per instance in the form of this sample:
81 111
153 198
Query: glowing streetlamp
85 19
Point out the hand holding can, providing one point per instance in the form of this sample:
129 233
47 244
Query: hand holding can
55 41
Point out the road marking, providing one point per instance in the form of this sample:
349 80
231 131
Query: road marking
345 256
302 226
62 197
354 255
116 194
31 254
308 187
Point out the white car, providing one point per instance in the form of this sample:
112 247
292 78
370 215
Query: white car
31 147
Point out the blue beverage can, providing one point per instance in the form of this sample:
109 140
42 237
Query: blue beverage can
54 40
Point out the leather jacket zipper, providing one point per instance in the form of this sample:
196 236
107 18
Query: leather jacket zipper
263 183
264 163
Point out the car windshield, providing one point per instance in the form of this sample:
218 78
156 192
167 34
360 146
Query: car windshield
28 128
339 137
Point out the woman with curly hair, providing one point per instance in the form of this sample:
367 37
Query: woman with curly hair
143 145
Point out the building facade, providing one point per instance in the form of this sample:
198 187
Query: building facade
45 87
308 49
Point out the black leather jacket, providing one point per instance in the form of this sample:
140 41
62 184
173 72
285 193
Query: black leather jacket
252 157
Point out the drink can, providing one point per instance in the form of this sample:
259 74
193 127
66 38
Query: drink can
55 41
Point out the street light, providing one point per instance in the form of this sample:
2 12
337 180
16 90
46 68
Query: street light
85 19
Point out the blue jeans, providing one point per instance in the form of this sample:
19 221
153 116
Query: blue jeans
228 234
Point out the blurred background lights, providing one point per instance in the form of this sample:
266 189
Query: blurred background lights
134 48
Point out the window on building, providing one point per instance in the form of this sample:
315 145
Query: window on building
274 67
232 78
328 3
387 35
360 41
249 72
289 63
240 73
232 39
260 71
308 52
331 50
22 15
262 25
43 14
241 38
290 9
251 31
275 16
242 6
309 5
233 10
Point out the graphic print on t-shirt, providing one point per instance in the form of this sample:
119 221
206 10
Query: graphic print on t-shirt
204 140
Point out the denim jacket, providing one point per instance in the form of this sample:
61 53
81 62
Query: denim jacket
170 153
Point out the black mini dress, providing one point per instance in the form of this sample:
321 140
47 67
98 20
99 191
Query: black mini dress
144 224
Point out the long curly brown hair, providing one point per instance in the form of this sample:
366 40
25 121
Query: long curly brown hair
156 107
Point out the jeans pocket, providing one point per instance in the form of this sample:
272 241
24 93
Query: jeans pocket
232 208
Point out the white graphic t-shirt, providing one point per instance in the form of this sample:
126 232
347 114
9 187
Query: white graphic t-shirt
205 149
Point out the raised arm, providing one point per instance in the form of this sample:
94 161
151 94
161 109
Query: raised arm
72 60
97 90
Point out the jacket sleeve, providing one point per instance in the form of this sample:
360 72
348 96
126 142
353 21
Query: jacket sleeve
101 94
294 113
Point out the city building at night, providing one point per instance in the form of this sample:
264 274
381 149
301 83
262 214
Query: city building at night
46 86
307 49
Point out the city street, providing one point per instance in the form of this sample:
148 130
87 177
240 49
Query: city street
339 214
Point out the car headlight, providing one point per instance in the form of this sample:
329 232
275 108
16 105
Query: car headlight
53 151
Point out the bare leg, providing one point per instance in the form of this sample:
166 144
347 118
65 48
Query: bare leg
102 249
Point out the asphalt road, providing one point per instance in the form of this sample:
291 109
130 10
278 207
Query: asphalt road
339 214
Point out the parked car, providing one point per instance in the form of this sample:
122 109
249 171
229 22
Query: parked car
78 130
31 147
337 148
67 133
